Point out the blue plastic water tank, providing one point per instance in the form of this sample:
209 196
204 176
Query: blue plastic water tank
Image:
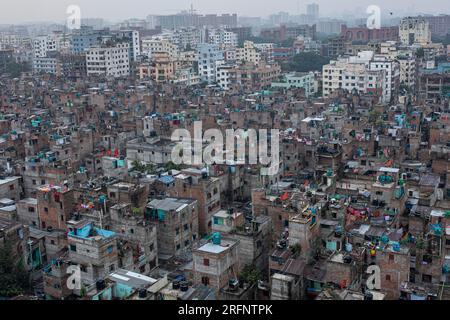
217 238
396 247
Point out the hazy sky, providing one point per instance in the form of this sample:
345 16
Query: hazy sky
16 11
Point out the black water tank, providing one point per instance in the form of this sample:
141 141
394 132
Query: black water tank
176 284
100 284
368 296
184 286
142 293
241 283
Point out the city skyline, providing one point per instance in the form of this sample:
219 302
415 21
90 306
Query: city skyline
21 11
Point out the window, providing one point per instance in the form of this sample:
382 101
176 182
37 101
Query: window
426 278
109 249
388 277
206 262
218 221
73 248
11 187
205 281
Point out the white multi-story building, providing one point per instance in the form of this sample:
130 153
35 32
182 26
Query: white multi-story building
134 42
150 46
188 37
186 76
298 80
229 54
13 40
265 49
354 74
223 74
109 61
389 49
306 44
46 65
414 30
407 70
223 38
187 56
392 74
208 55
43 45
248 53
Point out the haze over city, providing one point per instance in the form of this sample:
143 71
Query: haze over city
21 11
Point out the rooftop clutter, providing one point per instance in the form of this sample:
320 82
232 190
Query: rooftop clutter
89 178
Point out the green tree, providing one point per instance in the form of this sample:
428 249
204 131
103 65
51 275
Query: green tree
150 169
287 43
15 69
296 249
305 62
138 166
143 168
13 277
374 116
251 274
171 166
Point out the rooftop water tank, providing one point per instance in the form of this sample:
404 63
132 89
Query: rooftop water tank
176 284
143 293
184 286
100 285
217 238
396 247
368 296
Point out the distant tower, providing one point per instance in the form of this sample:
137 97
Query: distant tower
312 10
